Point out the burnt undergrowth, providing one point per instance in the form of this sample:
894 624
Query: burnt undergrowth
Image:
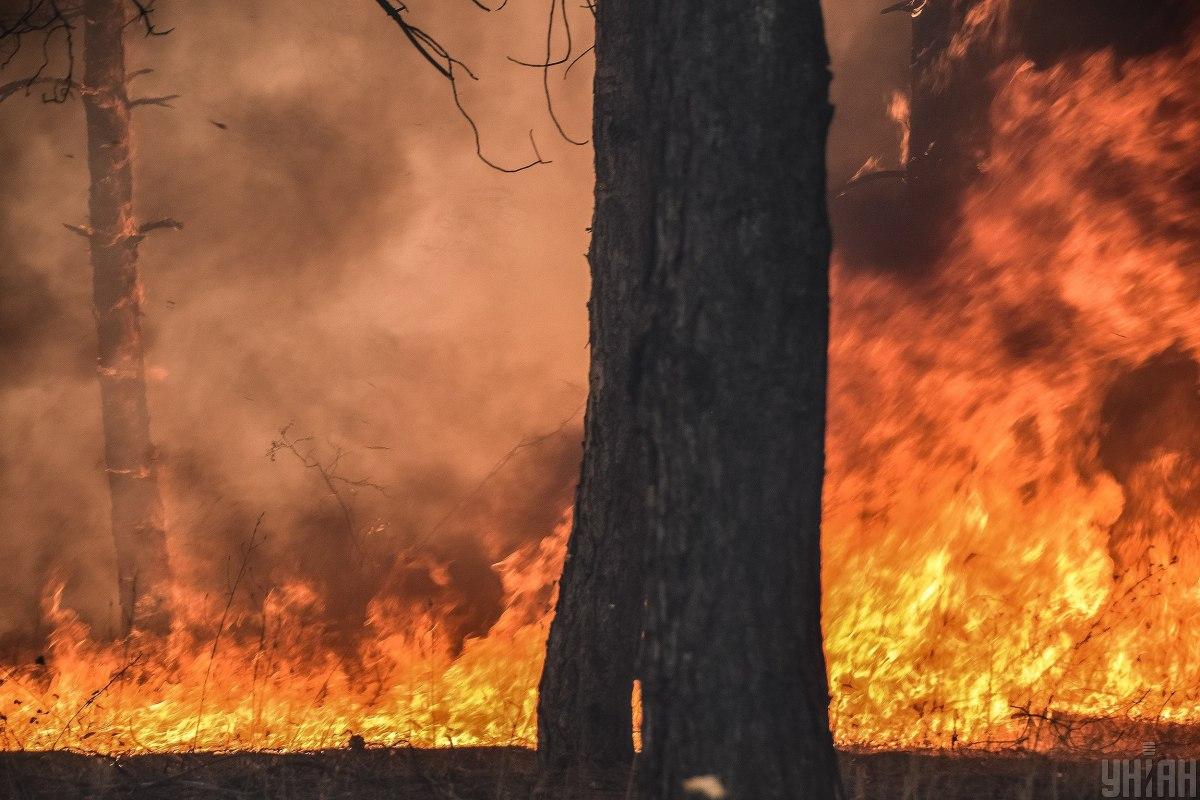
496 774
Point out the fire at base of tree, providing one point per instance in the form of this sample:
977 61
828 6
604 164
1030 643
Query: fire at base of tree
890 441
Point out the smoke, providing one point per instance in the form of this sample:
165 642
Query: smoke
870 54
348 267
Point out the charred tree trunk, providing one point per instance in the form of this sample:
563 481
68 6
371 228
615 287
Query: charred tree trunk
903 227
950 130
584 706
732 390
137 510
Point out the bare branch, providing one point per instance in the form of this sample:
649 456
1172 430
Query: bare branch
479 144
913 7
25 84
42 20
330 476
590 48
556 7
525 443
247 552
163 101
426 46
447 65
82 230
546 70
160 224
145 12
873 176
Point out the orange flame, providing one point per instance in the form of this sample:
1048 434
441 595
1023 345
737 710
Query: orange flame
975 516
271 682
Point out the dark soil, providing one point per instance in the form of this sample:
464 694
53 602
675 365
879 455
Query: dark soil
490 774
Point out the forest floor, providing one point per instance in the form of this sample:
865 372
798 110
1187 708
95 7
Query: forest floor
490 774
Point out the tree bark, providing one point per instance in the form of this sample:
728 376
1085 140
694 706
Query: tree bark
584 704
138 521
731 387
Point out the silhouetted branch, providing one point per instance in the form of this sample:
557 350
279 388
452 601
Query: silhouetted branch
590 48
428 47
524 444
82 230
25 84
488 8
247 551
478 142
116 676
557 7
160 224
44 21
447 66
145 13
329 474
163 101
546 70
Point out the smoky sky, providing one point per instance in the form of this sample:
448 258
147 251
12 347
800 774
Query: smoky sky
349 268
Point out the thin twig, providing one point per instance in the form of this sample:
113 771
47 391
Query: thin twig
247 551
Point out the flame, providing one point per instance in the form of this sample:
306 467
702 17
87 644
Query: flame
900 112
269 680
1011 530
1010 543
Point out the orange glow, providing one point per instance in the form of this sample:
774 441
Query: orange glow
973 527
275 684
985 569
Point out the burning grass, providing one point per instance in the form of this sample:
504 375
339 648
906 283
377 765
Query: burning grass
269 679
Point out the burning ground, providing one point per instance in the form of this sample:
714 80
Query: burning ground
369 361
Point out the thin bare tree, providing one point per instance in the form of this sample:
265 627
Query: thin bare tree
113 235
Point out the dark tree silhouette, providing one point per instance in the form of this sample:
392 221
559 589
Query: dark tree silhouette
730 379
584 704
453 70
138 519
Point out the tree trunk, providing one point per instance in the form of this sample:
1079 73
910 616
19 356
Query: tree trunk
137 510
950 129
584 706
732 391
